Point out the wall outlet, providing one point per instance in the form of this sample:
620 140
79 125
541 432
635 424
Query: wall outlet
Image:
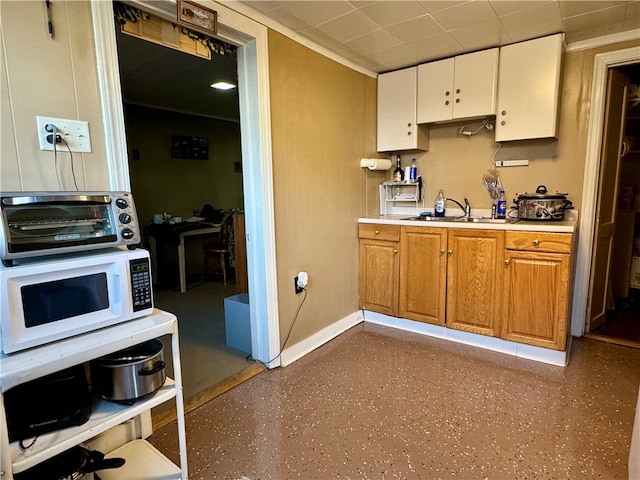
512 163
74 132
298 288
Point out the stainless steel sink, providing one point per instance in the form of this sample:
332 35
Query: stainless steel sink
485 220
429 219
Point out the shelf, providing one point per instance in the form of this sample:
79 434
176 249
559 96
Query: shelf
142 462
104 415
27 365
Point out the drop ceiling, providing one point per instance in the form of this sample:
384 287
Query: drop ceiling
377 36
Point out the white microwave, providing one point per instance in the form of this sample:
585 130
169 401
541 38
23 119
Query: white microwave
51 298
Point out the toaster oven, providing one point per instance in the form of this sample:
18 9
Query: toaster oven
44 223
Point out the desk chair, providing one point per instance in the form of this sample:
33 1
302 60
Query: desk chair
220 246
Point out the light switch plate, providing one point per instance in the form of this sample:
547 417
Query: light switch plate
74 132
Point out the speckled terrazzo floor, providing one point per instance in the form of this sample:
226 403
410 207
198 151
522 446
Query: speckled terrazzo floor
381 403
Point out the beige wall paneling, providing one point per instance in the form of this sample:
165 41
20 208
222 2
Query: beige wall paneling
321 126
52 77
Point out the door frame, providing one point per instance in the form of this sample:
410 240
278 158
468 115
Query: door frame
602 63
253 87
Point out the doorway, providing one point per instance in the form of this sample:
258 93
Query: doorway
167 96
614 304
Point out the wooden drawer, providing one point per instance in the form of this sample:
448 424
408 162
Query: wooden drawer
379 232
539 241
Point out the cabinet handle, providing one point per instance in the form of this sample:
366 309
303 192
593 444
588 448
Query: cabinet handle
377 232
536 242
449 252
408 125
503 122
457 100
447 93
458 90
507 262
408 133
395 250
442 250
447 102
504 112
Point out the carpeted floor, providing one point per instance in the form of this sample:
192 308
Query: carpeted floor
205 357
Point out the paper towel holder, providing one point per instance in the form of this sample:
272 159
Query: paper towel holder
375 163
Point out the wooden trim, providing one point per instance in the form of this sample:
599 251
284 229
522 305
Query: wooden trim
613 340
164 418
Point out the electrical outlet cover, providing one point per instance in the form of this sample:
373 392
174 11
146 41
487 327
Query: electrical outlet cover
74 132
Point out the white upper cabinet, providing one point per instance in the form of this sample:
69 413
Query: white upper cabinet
397 126
529 89
459 87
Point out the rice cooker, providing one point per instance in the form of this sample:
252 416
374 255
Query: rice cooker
542 205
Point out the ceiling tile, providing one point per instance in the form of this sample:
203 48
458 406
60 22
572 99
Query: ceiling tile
286 18
535 22
317 12
633 13
373 42
489 33
435 5
594 20
396 57
507 7
262 6
349 26
436 47
570 8
390 13
420 27
464 14
579 36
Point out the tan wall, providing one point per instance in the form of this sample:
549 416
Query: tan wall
50 77
184 184
323 122
456 164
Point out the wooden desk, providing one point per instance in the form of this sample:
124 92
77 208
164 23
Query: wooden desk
197 231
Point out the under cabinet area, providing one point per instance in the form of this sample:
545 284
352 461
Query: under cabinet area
459 87
142 460
398 129
512 285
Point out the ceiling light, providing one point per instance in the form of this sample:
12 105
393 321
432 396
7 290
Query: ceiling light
223 86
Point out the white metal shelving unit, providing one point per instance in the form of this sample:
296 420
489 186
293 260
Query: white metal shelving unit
34 363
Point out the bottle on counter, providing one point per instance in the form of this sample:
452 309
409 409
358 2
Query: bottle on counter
413 171
398 173
439 205
501 206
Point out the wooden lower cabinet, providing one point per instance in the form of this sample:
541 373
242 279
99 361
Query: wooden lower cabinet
379 268
537 289
423 270
474 274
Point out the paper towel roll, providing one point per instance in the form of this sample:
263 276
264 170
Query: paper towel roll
376 163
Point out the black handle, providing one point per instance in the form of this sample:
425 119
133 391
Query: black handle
541 189
104 464
159 365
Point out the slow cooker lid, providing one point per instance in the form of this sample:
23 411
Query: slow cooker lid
541 193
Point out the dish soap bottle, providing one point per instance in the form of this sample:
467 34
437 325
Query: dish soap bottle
501 206
398 174
413 171
439 206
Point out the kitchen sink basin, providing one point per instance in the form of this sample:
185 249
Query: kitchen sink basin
485 220
430 219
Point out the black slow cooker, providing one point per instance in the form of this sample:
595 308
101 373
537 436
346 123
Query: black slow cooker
542 205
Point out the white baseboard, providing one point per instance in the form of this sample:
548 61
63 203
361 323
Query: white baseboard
300 349
539 354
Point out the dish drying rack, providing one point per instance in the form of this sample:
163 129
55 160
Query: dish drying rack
401 194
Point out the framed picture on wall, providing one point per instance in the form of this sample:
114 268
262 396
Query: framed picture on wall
195 148
194 16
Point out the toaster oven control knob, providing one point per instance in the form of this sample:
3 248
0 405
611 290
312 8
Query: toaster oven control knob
124 218
122 203
127 233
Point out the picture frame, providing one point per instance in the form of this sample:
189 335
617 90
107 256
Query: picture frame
199 18
189 148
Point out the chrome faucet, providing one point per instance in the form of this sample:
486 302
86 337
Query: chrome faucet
466 209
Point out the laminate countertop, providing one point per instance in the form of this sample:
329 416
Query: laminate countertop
568 225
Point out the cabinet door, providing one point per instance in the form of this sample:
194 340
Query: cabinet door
475 84
423 273
529 89
435 91
536 298
474 276
397 128
379 270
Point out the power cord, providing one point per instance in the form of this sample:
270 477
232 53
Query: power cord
295 317
51 128
73 172
486 123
